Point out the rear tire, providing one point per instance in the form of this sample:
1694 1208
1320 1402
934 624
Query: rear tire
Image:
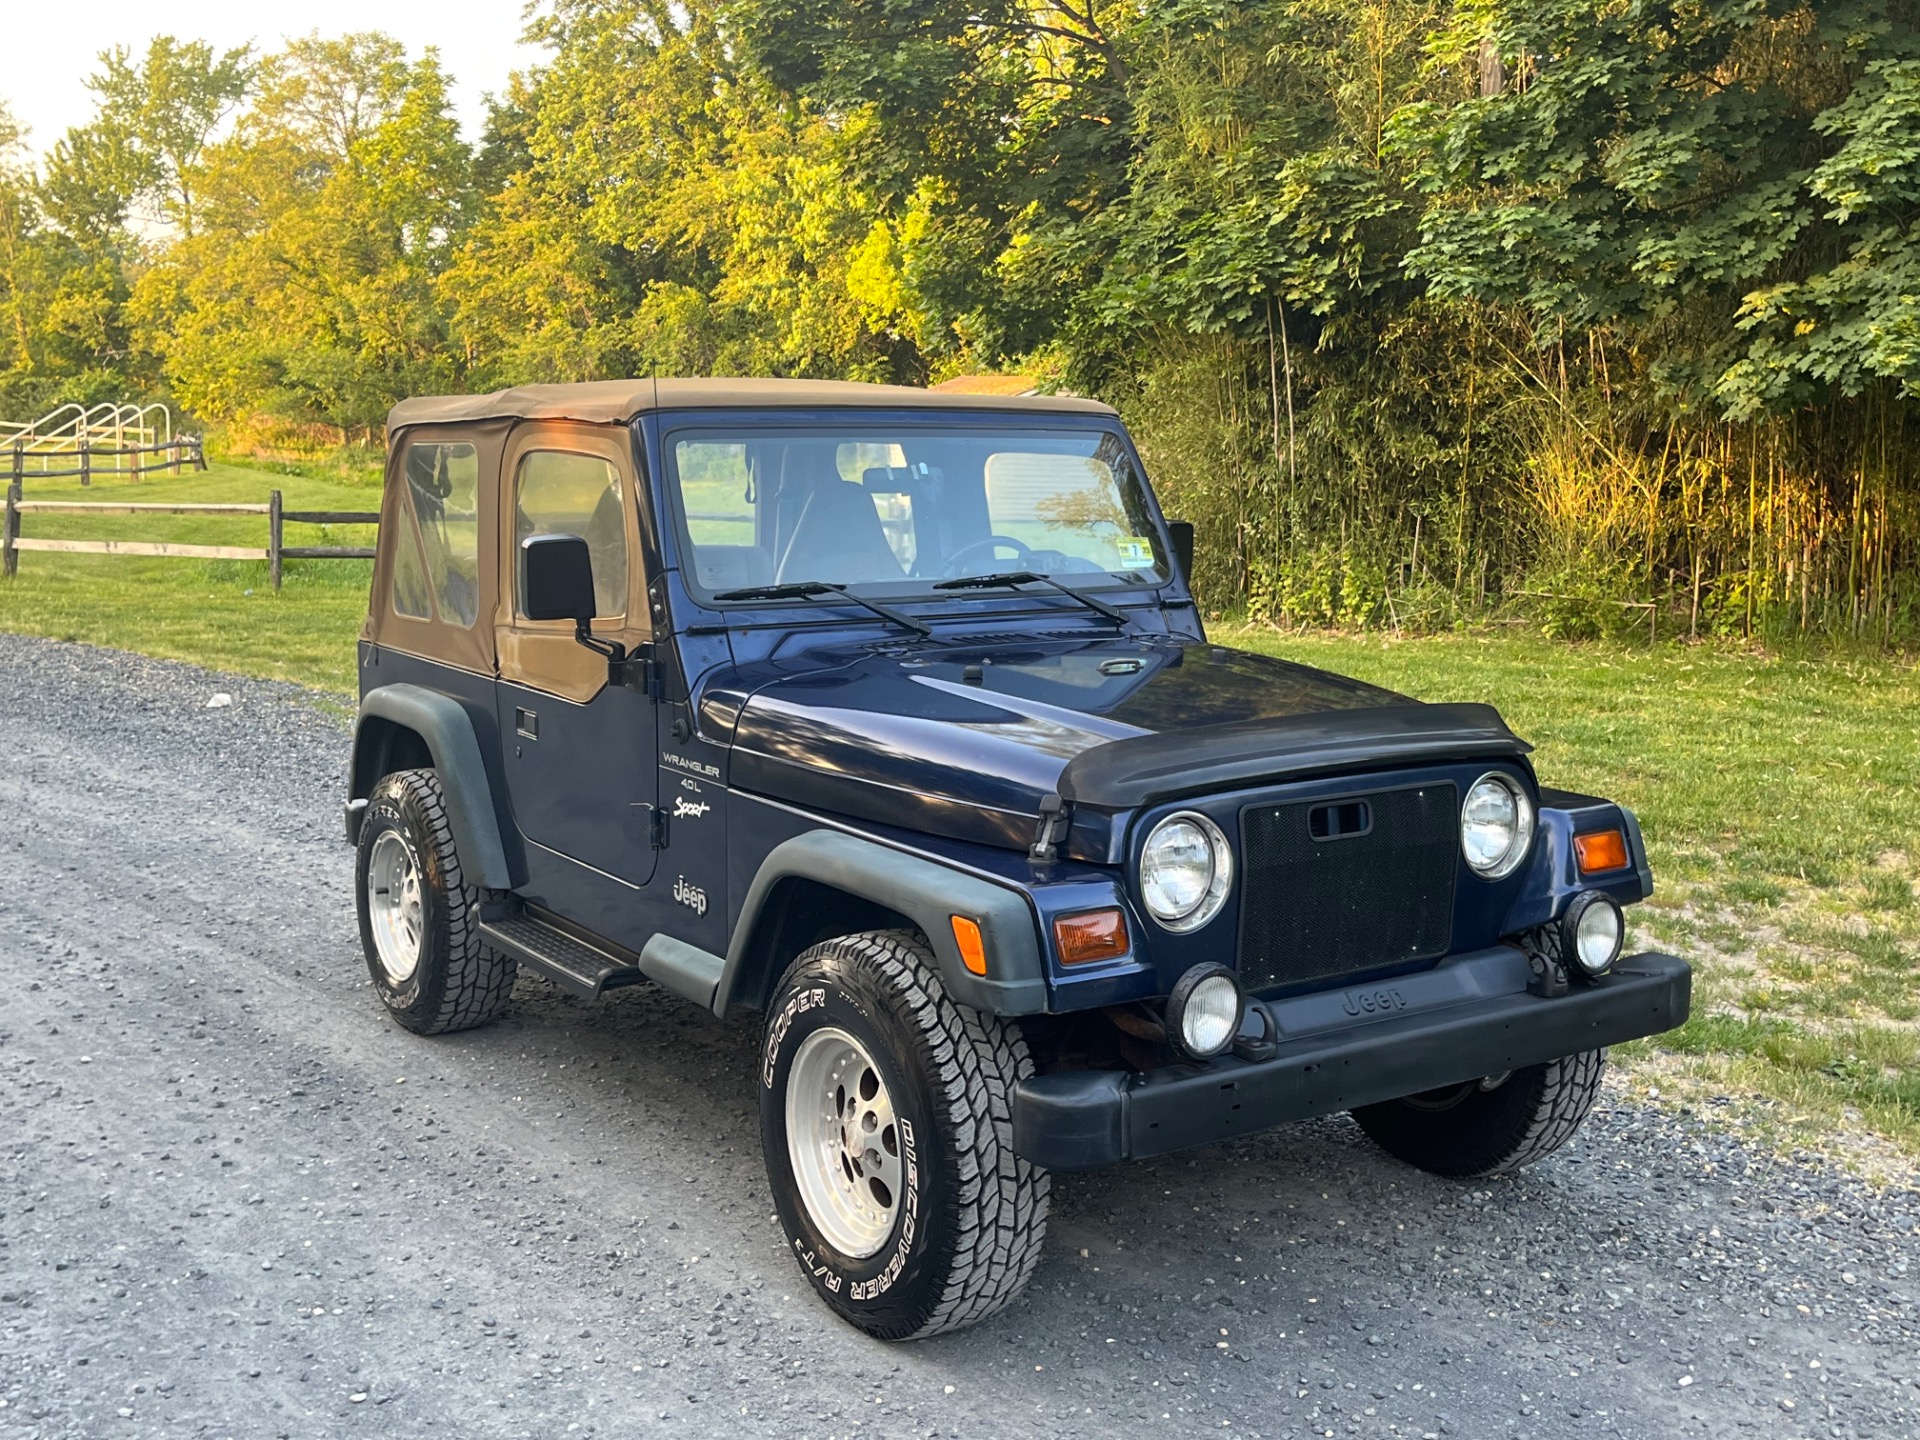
885 1119
1465 1131
419 918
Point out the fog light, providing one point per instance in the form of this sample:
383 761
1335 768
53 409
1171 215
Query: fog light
1591 932
1203 1013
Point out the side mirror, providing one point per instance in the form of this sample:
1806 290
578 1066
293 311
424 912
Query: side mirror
1181 532
556 579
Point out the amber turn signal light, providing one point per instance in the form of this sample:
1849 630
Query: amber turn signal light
1090 936
1601 850
973 949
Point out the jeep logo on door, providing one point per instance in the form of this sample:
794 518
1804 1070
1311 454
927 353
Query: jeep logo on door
691 896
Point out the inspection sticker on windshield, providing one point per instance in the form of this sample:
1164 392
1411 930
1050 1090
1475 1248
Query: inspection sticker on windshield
1136 552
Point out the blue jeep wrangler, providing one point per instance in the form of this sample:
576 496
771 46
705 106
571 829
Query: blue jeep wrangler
888 713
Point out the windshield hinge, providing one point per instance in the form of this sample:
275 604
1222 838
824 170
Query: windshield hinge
1054 818
636 671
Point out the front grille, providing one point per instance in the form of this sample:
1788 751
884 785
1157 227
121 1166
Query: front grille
1314 910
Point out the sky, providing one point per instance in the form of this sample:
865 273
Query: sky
51 47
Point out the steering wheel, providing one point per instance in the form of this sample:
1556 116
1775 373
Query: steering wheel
955 562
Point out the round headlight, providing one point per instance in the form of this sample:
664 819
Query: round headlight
1186 869
1496 825
1592 933
1203 1013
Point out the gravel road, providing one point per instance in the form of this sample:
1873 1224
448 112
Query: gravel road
236 1200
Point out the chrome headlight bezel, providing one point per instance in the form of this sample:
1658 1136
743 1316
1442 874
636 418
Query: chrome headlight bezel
1213 890
1520 840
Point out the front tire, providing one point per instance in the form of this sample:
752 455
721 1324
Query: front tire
419 918
885 1120
1468 1131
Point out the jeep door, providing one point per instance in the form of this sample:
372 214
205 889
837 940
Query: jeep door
578 752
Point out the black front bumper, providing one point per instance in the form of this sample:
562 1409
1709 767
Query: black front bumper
1340 1050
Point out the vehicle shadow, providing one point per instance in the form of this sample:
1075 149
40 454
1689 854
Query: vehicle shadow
1268 1220
1285 1279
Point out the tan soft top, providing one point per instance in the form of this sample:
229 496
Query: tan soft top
618 401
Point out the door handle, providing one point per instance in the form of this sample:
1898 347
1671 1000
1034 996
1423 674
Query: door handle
526 723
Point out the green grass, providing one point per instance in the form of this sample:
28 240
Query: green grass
1780 796
219 613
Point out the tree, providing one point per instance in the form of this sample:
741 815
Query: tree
674 213
1406 300
533 295
19 218
62 335
308 290
1734 183
996 130
138 157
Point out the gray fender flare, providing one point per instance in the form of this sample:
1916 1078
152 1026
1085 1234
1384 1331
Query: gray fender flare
925 891
443 724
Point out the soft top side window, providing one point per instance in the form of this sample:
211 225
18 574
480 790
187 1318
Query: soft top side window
409 573
560 492
442 501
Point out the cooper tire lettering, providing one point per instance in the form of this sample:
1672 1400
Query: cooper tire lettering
778 1026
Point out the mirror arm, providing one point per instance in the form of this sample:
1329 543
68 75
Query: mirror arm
626 669
613 649
615 652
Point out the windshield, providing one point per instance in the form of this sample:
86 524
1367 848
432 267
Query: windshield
895 511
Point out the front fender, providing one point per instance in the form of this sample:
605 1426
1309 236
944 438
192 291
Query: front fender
442 724
926 892
1553 874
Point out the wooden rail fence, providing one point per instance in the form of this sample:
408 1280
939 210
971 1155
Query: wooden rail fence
275 552
174 453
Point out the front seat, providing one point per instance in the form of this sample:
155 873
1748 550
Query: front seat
838 537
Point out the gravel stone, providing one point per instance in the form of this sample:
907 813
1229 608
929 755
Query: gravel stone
289 1228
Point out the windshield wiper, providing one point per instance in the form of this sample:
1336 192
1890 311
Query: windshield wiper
1009 579
801 589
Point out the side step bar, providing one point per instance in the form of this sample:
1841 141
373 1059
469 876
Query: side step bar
575 966
586 970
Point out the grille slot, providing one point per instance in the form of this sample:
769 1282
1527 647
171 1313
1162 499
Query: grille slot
1314 910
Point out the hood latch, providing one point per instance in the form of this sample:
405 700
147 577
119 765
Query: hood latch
1052 828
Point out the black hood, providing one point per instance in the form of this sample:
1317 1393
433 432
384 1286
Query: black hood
966 740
